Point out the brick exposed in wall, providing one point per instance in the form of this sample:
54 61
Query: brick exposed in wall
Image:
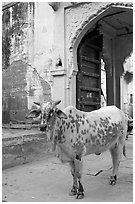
19 91
13 91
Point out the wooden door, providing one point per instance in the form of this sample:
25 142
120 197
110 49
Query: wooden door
89 72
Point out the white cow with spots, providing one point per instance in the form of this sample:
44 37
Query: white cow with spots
78 133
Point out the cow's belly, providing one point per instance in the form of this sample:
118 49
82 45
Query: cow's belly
98 148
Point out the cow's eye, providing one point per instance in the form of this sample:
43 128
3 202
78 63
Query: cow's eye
51 113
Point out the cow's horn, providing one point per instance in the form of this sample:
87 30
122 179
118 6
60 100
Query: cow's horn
38 104
57 102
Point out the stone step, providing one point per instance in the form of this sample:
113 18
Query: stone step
20 146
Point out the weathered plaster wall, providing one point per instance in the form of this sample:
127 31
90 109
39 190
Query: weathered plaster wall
43 39
26 58
13 58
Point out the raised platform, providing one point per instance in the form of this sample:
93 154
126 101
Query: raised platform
22 144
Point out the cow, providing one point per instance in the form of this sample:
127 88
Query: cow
77 133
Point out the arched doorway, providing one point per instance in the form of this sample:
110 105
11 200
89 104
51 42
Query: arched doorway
115 23
88 81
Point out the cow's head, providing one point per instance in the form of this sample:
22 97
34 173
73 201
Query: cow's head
48 113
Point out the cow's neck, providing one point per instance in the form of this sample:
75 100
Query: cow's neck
58 132
52 131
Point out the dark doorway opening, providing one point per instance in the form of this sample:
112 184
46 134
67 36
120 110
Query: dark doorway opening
88 89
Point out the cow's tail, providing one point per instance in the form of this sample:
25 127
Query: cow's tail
124 151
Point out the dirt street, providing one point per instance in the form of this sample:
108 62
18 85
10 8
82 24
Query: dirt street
47 179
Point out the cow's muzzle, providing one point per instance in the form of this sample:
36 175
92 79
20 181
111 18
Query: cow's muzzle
43 127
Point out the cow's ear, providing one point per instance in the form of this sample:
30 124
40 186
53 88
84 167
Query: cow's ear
60 114
38 104
33 114
57 102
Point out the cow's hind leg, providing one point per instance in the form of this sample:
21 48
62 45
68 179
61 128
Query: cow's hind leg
116 153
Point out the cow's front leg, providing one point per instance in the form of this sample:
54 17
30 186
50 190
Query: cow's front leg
75 186
78 173
80 193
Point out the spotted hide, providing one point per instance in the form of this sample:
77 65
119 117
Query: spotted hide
77 133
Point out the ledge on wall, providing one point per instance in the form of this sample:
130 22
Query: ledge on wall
58 72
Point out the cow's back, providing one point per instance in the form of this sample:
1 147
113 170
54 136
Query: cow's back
110 112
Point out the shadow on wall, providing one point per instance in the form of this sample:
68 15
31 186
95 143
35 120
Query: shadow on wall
19 91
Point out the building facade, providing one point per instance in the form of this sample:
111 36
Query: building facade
54 51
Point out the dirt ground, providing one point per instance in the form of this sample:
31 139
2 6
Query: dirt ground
47 179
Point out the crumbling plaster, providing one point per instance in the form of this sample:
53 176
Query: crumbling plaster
35 46
28 39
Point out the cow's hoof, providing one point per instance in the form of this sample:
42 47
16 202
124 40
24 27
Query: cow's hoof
113 180
73 192
80 195
112 183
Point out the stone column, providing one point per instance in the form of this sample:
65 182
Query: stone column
58 72
123 48
108 59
